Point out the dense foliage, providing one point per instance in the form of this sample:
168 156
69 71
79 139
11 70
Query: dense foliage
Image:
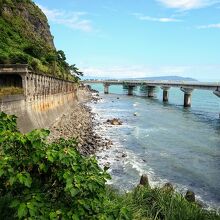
47 181
39 180
26 39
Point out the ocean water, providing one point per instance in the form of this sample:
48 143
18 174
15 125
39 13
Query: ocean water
167 142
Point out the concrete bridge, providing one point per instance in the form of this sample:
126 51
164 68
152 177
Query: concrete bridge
186 87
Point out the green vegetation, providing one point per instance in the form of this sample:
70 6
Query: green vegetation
10 91
26 39
39 180
158 204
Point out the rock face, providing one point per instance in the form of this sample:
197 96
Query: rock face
26 39
31 21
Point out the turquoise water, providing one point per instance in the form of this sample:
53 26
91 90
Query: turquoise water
166 141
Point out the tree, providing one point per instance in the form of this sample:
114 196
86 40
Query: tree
74 70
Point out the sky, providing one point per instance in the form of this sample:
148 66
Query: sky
138 38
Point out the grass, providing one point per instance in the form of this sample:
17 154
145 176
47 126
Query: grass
4 91
144 203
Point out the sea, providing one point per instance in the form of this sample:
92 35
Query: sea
166 141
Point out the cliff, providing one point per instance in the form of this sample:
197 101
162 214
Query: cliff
26 39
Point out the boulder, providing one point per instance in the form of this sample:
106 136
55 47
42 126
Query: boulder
114 121
124 155
190 196
144 180
168 187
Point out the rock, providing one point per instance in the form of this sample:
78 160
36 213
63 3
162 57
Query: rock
114 121
124 155
107 165
168 187
190 196
144 180
117 97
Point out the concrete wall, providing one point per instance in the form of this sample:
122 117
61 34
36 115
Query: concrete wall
45 98
40 113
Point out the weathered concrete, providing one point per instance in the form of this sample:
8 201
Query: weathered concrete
150 91
34 84
165 93
186 87
106 88
217 93
44 100
187 96
40 113
178 84
130 89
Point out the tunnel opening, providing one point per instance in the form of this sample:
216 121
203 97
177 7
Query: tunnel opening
10 84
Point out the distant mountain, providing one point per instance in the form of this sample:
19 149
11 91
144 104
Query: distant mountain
173 78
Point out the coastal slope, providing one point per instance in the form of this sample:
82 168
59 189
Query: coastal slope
26 39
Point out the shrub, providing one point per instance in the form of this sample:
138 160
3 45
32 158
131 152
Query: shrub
18 58
47 181
39 180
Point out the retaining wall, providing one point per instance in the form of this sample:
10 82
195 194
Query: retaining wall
44 101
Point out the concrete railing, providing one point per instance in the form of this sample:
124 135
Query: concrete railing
36 84
45 97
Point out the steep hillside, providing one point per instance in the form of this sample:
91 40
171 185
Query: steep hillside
25 38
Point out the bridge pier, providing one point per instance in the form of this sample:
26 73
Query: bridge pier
150 92
130 89
106 88
187 96
217 93
165 93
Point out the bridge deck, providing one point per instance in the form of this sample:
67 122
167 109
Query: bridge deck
180 84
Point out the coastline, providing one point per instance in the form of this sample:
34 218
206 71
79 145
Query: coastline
86 125
122 168
79 123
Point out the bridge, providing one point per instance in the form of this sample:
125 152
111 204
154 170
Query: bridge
186 87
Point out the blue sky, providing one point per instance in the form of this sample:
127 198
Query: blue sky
138 38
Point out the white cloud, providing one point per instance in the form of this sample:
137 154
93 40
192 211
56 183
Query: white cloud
72 20
149 18
188 4
209 26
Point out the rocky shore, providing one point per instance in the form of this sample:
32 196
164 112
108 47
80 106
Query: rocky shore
79 124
